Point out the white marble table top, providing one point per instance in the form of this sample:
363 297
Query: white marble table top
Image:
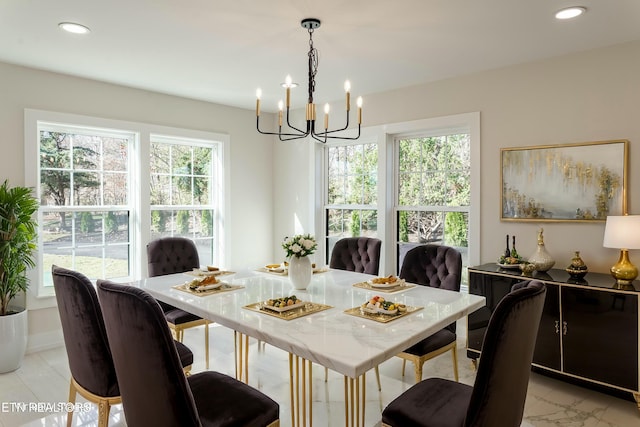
344 343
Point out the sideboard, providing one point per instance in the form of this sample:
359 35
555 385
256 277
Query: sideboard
588 330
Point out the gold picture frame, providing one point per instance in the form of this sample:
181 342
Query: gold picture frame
582 182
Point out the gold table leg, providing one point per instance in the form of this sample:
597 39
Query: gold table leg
299 371
354 399
241 348
636 396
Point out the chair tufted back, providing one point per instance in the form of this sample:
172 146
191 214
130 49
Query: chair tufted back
85 336
169 255
359 254
436 266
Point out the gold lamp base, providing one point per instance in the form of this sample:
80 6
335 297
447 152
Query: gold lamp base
624 272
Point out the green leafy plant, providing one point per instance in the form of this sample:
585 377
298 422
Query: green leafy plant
18 232
300 245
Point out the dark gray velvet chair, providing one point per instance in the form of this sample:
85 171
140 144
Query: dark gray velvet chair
498 395
169 255
154 390
439 267
360 254
92 372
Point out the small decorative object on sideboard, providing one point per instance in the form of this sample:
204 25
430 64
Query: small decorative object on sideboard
541 257
527 268
577 269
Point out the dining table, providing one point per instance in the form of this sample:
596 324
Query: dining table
329 326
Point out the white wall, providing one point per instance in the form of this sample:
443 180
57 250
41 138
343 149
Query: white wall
251 210
583 97
591 96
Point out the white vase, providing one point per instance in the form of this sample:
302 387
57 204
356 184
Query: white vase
541 257
300 271
13 340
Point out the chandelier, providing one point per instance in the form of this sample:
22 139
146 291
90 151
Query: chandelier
296 133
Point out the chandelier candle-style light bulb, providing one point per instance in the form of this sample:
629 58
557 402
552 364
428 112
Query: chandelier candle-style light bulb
287 85
347 89
326 116
258 96
320 135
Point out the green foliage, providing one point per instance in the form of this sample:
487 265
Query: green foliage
355 223
159 221
182 222
207 223
403 226
87 224
55 161
18 233
111 222
455 229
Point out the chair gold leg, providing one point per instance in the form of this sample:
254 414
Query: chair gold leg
103 413
72 400
378 378
636 396
418 365
206 343
404 363
454 356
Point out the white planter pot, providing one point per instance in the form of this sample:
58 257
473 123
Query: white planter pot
300 272
13 340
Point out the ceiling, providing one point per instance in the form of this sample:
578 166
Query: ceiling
222 50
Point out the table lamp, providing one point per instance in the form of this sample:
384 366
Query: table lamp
623 232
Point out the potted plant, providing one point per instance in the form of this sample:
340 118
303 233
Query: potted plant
18 232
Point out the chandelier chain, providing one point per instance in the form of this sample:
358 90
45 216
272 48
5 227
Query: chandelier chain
313 66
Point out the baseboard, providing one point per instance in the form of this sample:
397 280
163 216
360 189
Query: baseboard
45 341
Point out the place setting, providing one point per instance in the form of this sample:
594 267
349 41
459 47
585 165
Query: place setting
287 308
388 284
206 285
381 310
283 269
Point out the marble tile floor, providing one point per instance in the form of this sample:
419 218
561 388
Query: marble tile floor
44 377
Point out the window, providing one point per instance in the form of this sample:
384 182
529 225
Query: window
434 192
107 188
419 183
352 182
182 200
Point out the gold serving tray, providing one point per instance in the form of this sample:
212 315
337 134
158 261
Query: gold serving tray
390 290
380 317
225 287
295 313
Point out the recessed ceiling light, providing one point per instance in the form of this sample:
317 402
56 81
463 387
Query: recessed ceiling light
570 12
72 27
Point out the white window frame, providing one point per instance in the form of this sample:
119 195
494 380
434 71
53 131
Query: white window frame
385 136
39 296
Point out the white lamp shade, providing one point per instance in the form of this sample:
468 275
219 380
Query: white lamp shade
622 232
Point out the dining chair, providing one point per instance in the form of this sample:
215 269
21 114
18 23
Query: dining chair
169 255
498 394
93 375
436 266
360 254
154 390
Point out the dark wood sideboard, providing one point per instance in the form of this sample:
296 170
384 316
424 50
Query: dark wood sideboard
588 331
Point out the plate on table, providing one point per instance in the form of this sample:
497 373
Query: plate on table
509 266
202 288
298 304
397 282
379 311
276 268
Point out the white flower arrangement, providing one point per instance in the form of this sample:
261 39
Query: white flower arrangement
300 245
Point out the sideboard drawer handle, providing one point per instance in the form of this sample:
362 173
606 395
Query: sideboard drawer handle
564 328
557 326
